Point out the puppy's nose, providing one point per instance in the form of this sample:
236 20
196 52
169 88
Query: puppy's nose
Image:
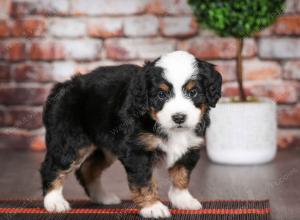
179 118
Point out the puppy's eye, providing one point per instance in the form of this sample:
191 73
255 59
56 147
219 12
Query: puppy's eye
192 93
162 95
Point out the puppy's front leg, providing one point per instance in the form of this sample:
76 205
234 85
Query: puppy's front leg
143 186
179 194
147 198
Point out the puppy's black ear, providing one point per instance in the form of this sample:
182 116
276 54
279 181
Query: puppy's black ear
137 98
212 81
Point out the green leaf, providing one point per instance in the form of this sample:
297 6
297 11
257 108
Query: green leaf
236 18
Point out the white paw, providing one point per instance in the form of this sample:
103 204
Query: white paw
157 210
106 198
55 202
182 199
99 195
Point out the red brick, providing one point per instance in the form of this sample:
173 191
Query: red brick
112 7
47 50
23 95
279 48
42 7
52 8
4 72
292 70
105 27
14 138
4 28
71 27
2 117
279 91
289 116
22 8
227 69
23 117
178 26
43 72
169 7
4 8
261 70
84 50
3 50
288 138
37 143
250 48
211 48
217 48
297 6
13 50
32 72
28 28
130 49
141 26
16 51
291 6
265 32
84 68
63 70
288 25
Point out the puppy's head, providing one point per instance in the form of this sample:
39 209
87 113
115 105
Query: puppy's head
183 90
178 89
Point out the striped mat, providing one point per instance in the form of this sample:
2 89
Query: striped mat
85 210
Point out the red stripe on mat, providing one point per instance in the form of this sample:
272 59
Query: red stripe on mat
84 200
135 211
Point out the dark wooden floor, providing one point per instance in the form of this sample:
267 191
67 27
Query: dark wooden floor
278 181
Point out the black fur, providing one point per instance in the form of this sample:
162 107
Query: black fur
109 107
189 159
212 81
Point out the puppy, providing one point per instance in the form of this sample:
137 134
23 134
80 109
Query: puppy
137 115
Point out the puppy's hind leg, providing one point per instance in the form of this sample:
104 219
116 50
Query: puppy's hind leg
52 183
89 175
53 170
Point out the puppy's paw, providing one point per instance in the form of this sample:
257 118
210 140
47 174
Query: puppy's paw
106 198
156 210
55 202
182 199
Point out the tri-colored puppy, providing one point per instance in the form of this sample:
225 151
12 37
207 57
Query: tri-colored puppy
137 115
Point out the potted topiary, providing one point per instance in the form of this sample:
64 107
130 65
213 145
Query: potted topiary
244 128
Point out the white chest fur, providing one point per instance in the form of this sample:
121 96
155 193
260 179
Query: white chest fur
178 144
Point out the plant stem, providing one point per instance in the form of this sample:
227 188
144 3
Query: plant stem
239 69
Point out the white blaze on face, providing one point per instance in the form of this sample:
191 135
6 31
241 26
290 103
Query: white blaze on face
178 68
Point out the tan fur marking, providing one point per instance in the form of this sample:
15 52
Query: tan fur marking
57 183
179 176
145 196
82 155
164 87
153 113
202 108
149 140
91 169
190 85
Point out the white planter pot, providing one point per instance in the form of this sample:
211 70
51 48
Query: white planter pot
242 133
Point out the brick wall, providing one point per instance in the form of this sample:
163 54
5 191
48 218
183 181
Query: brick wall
43 41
